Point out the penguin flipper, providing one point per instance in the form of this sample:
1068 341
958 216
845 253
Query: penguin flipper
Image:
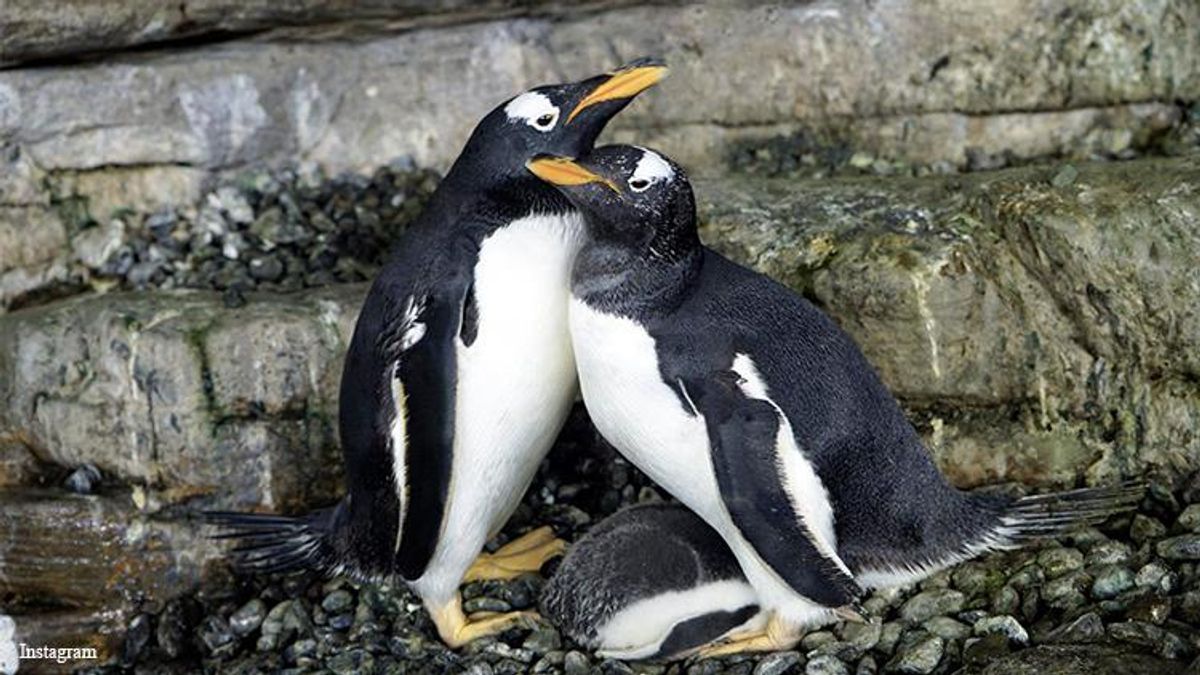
744 435
417 347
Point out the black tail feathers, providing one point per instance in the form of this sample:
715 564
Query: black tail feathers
270 543
1050 515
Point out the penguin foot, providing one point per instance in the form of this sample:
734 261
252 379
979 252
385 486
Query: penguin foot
456 629
526 553
773 637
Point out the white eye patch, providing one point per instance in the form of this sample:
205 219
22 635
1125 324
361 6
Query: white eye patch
533 109
650 169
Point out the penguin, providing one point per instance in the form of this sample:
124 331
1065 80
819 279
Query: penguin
754 409
460 373
652 582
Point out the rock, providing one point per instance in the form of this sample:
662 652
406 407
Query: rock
777 663
976 578
575 663
1108 553
1074 660
1155 576
1086 628
928 604
1007 626
316 93
1144 528
1190 518
946 628
1006 600
216 637
83 480
1067 592
919 658
825 664
1065 176
1151 637
170 370
248 617
337 601
1183 547
1111 581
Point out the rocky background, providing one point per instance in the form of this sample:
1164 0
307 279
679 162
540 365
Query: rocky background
999 200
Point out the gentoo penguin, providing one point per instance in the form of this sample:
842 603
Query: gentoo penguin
754 409
650 582
460 372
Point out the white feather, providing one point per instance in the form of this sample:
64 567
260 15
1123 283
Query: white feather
638 630
516 384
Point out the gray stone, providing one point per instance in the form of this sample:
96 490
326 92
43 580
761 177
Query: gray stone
1144 528
247 618
825 664
777 663
1183 547
335 101
928 604
1111 581
1190 518
919 658
1074 660
1007 626
172 390
1058 561
947 628
1086 628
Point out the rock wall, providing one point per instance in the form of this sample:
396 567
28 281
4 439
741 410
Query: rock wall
1039 322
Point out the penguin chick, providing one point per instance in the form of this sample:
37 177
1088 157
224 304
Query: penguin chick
758 412
650 582
460 372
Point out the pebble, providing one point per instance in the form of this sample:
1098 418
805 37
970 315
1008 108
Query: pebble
216 636
83 480
1059 561
1108 553
1007 626
1145 528
977 578
825 664
928 604
576 663
247 618
777 663
137 636
1183 547
1065 176
947 628
1006 600
1111 581
817 639
919 658
1190 518
1086 628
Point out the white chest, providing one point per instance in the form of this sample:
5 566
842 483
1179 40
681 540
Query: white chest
636 411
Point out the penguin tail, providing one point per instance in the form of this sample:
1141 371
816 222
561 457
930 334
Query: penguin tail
1046 516
268 543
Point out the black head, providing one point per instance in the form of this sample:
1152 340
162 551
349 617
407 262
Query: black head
560 119
632 198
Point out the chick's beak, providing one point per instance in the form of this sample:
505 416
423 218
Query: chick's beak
564 172
624 83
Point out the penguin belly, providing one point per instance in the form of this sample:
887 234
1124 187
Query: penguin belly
516 384
644 419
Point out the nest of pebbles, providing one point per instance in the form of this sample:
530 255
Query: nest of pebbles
283 230
1129 589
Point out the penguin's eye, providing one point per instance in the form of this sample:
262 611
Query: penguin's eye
638 184
533 108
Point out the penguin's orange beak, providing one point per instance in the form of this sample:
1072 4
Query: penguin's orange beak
566 172
625 82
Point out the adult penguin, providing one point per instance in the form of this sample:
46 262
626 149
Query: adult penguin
460 373
758 412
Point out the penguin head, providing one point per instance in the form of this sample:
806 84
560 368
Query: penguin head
631 197
560 119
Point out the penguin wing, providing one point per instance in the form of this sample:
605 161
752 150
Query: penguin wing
417 347
754 459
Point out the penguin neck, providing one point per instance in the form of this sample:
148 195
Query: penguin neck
613 279
477 191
